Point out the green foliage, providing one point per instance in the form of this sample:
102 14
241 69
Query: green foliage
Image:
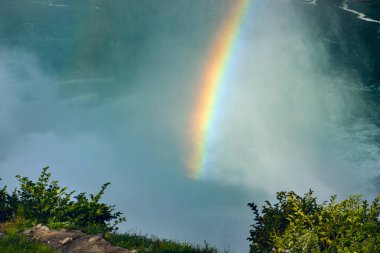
300 224
145 244
21 244
46 202
15 242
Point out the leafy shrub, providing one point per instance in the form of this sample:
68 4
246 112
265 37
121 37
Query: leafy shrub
46 202
300 224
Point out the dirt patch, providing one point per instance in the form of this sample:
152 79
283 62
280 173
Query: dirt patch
73 241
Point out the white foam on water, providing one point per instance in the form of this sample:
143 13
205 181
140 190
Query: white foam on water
360 15
56 5
312 2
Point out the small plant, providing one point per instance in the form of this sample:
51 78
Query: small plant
46 202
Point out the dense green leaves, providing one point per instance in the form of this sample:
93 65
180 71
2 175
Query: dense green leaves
22 244
46 202
300 224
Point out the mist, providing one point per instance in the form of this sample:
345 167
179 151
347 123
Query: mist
290 116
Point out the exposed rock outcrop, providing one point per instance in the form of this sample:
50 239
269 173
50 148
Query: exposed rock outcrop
73 241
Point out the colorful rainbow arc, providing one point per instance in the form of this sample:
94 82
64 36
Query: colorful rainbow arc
211 82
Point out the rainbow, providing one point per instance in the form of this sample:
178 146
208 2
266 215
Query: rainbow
212 80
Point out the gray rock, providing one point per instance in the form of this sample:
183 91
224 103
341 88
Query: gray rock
73 241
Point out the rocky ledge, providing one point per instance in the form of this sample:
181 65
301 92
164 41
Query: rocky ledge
73 241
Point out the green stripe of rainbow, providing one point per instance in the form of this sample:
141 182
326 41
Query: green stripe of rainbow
211 82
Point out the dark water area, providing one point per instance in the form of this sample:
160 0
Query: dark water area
353 45
96 39
86 38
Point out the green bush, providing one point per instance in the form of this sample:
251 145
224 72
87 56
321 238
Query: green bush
46 202
300 224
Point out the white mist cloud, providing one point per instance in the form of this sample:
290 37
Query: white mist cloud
39 129
286 123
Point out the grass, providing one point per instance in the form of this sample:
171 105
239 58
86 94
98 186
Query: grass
15 242
151 244
21 244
